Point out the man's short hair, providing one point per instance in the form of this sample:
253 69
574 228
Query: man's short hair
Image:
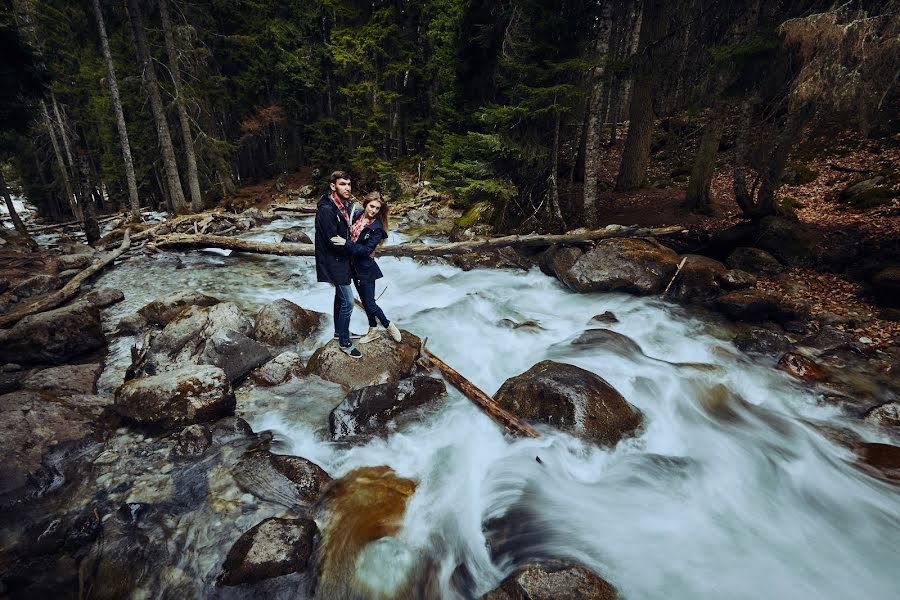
340 175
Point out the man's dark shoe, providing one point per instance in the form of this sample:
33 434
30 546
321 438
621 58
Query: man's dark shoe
352 351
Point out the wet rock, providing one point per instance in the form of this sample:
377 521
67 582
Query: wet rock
184 396
829 339
104 297
637 266
753 305
74 261
272 548
10 381
383 361
571 399
36 285
54 336
161 312
881 459
32 422
290 481
802 367
76 379
698 281
193 440
368 411
736 279
754 260
131 324
762 341
605 317
527 325
557 261
296 236
282 322
886 286
279 370
230 429
887 415
234 352
610 340
4 284
504 258
551 580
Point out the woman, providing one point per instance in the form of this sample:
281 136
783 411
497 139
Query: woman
368 230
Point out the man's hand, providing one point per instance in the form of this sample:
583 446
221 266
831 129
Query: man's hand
338 240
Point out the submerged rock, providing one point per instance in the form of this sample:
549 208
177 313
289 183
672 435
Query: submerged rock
609 340
282 322
636 266
290 481
272 548
802 367
54 336
193 440
180 397
383 361
571 399
549 580
368 410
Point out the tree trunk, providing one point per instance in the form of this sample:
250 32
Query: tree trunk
742 194
60 163
64 136
134 202
636 155
697 197
771 181
17 222
88 207
173 180
554 171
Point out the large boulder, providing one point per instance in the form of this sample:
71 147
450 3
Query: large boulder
571 399
368 410
754 260
74 261
36 285
279 370
160 312
754 305
699 280
550 580
272 548
54 336
383 361
184 396
282 322
789 241
214 335
296 235
72 379
291 481
637 266
557 261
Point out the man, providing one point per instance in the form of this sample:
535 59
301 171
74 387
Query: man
333 213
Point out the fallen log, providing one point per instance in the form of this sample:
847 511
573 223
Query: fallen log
511 422
68 291
41 228
304 210
182 241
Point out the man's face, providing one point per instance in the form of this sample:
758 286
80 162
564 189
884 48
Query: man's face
342 188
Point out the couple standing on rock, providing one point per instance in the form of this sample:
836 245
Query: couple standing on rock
345 240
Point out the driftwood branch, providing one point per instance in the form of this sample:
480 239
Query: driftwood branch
182 241
68 291
511 422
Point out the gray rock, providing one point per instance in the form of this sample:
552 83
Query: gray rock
76 379
636 266
571 399
754 260
548 580
290 481
886 415
54 336
383 361
131 324
762 341
74 261
296 236
36 285
66 276
177 398
272 548
556 261
282 322
367 411
4 284
161 312
193 440
610 340
279 370
234 352
104 297
736 279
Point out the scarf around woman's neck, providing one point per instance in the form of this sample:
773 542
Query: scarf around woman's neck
359 225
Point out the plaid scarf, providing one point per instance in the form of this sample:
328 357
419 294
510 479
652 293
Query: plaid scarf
357 227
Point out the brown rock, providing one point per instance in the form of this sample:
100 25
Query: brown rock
282 322
802 368
272 548
291 481
368 410
754 260
54 336
383 361
553 581
105 297
76 379
886 415
556 261
161 312
637 266
753 305
193 440
296 236
883 459
571 399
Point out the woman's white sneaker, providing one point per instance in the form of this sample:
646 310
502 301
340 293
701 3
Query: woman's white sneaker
370 336
395 333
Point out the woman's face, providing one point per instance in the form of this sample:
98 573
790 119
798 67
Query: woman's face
372 208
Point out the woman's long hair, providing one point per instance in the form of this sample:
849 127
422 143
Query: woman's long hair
383 214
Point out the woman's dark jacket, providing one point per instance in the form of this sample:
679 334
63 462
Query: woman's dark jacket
332 262
364 266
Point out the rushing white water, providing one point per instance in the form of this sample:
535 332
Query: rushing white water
715 498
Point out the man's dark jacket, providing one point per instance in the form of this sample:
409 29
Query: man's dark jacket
364 266
332 262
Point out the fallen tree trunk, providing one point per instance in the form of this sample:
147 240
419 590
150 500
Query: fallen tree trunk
511 422
303 210
68 291
182 241
78 223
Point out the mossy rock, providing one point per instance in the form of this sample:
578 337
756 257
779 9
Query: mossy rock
480 212
790 204
798 174
877 196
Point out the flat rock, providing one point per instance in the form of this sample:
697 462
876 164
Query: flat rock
279 370
762 341
383 361
272 548
571 399
282 322
551 581
54 336
104 297
291 481
802 367
367 411
77 379
160 312
754 260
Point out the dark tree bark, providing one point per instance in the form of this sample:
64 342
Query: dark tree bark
697 196
88 206
17 222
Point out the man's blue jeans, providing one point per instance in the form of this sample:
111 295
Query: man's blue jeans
343 308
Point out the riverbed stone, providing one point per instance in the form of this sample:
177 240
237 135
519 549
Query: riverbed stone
636 266
802 367
383 361
556 261
75 379
550 580
177 398
736 279
881 459
162 311
282 322
571 399
279 370
272 548
887 415
754 260
74 261
104 297
53 337
36 285
296 235
754 305
762 341
699 280
291 481
610 340
367 411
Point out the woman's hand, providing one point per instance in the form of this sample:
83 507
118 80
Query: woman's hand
338 240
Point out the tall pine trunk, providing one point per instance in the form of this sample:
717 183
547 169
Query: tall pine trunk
595 120
88 206
636 155
17 222
697 196
173 180
134 202
180 101
60 163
